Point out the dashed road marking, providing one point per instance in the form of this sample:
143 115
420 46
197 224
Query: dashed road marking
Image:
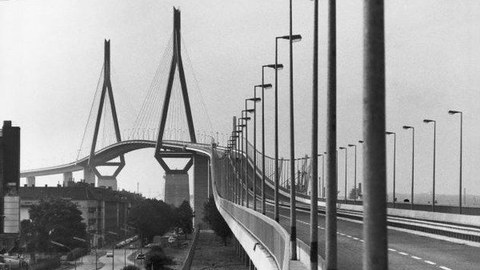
390 249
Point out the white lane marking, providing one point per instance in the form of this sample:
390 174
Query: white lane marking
361 240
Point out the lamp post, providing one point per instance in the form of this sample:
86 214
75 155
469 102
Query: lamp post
246 119
265 86
254 174
113 250
64 246
242 160
394 162
461 150
314 150
434 157
96 252
346 174
413 164
237 165
355 192
323 175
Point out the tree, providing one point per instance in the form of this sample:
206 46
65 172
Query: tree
53 219
184 217
215 220
351 195
156 259
151 217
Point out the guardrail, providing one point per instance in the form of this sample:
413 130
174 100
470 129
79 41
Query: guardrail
266 232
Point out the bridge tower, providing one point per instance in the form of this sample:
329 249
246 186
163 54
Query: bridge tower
176 188
94 162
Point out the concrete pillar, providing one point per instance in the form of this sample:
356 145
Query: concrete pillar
31 181
67 177
200 187
88 175
176 188
108 183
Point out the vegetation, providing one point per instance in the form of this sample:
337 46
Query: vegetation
151 217
352 194
53 220
184 214
215 220
156 259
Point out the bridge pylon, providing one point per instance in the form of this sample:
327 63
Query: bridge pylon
93 162
200 163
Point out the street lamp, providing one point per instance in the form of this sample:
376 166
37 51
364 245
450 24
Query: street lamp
241 160
434 157
96 253
461 150
64 246
346 175
246 119
265 86
355 176
394 162
413 163
113 250
255 100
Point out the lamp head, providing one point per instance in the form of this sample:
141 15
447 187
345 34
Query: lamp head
407 127
453 112
389 132
351 145
428 121
256 99
295 38
277 66
265 86
341 147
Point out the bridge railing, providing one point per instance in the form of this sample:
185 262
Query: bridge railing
267 232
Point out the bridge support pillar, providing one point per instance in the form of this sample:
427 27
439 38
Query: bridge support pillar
200 187
88 175
67 178
31 181
108 183
176 188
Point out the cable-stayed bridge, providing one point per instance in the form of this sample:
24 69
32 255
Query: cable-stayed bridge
253 190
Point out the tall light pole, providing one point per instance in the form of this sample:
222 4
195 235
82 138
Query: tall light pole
413 164
246 119
241 160
291 38
254 174
355 193
346 172
274 66
375 255
64 246
314 149
461 150
434 157
394 163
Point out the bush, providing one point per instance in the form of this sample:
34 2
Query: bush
156 259
215 220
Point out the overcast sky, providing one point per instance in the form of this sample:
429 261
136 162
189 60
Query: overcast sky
51 52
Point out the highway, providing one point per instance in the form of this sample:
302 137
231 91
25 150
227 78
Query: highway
119 259
406 250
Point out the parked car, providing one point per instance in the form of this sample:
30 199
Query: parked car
109 254
140 256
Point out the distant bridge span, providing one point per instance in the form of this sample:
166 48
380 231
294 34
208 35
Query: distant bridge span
104 155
